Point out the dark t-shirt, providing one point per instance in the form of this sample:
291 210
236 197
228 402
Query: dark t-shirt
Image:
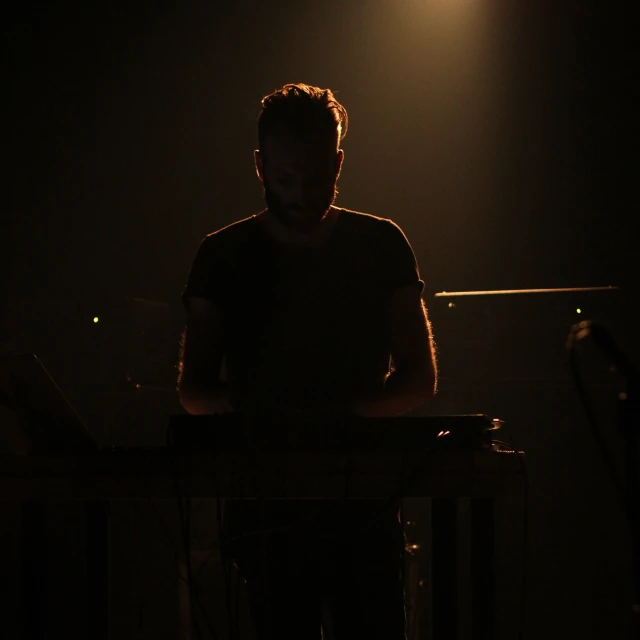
304 328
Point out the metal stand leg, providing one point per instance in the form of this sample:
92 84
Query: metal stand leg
444 523
34 569
98 568
483 568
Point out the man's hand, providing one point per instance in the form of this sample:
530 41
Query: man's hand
205 402
402 392
221 405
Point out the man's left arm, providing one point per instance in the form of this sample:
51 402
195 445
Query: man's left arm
413 380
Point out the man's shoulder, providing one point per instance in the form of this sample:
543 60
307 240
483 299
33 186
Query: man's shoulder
368 222
226 240
234 231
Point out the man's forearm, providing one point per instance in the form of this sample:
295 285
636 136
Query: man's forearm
402 392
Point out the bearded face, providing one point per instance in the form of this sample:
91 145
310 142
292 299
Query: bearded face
299 175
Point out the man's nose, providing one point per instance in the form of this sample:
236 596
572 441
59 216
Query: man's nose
301 195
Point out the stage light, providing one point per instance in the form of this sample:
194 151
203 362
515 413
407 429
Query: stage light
578 310
95 320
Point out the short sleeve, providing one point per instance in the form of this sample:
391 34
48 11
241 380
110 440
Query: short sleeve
209 274
401 264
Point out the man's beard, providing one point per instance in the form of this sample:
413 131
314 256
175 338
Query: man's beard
314 213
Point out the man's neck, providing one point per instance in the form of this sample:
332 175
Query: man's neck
296 238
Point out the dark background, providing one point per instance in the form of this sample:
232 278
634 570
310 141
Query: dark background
497 134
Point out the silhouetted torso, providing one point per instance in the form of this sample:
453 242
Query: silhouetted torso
304 328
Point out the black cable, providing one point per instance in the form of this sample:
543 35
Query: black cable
233 620
192 580
239 579
594 427
403 581
389 501
237 611
525 537
394 499
626 495
226 570
186 548
211 550
185 532
172 547
419 465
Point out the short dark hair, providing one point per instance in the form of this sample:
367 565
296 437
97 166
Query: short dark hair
302 109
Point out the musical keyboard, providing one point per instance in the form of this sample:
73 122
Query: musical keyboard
288 457
160 473
473 495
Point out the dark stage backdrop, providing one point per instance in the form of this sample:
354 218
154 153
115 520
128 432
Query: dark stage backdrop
497 134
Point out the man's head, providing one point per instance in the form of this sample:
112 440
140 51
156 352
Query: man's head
300 129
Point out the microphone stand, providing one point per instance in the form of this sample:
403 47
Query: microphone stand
628 423
628 426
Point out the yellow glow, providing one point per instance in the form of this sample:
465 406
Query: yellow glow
95 320
578 310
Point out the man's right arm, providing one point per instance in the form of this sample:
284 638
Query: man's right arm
200 389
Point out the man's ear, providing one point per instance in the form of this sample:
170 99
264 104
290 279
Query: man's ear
257 158
339 159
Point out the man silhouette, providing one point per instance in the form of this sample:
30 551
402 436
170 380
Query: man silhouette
309 308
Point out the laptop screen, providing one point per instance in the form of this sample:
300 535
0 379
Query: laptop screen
35 416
